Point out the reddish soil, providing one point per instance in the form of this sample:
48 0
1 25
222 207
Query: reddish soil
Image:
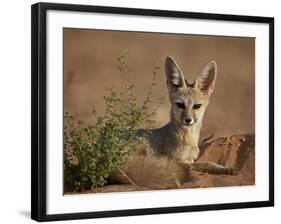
237 151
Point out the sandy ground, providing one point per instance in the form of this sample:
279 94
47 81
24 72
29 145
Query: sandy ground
237 151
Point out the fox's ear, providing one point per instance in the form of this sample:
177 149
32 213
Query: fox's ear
205 81
174 75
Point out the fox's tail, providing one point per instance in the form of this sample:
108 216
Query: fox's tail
152 171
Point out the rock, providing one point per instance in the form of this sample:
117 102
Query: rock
240 155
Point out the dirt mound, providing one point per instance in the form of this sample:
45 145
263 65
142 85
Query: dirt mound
237 152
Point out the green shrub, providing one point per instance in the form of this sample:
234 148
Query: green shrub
93 152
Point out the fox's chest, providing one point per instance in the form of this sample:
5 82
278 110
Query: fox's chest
186 153
187 149
176 149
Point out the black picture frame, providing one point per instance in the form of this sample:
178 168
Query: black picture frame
39 122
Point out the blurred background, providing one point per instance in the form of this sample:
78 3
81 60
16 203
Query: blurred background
90 65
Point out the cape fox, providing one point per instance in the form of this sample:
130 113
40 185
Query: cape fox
171 151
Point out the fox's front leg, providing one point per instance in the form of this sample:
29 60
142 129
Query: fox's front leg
190 155
212 168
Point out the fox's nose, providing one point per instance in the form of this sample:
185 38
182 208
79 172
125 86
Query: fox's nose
187 120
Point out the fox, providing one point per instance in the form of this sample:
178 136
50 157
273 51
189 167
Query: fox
168 154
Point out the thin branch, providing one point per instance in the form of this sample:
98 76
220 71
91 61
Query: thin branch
207 139
129 179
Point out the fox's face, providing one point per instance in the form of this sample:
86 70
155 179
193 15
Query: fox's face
189 101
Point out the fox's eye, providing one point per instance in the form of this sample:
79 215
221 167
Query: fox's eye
180 105
197 106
